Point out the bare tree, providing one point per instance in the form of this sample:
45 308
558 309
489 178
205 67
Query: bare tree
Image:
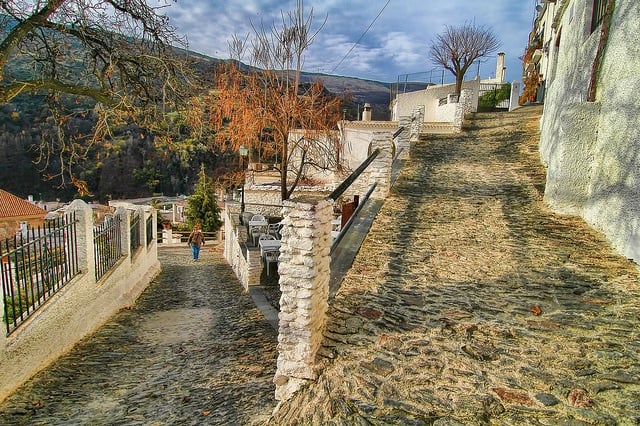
458 47
269 97
111 59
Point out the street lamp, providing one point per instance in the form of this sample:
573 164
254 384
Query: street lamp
243 154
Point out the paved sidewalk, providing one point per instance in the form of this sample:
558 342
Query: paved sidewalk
471 303
193 350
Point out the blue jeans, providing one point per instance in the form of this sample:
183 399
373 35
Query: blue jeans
195 251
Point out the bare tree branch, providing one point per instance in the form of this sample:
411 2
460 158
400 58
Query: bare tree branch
117 54
271 97
458 47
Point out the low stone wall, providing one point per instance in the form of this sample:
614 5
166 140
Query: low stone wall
244 260
83 304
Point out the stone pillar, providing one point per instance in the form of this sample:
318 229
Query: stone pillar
463 106
304 281
379 170
403 148
84 229
125 234
500 68
417 120
143 213
514 99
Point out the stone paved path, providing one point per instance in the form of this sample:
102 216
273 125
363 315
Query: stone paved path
193 350
471 303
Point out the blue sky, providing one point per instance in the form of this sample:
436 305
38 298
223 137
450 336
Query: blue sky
396 42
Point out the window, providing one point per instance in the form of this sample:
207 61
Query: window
599 7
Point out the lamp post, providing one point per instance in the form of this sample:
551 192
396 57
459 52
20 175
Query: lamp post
243 154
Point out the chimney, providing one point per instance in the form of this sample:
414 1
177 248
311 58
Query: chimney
366 113
500 68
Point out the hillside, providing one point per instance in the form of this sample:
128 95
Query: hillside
132 165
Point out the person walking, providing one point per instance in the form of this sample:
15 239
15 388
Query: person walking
196 240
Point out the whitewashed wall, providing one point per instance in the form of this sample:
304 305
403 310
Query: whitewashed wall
592 149
406 103
82 305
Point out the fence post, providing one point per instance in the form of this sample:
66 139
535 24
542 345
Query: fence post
86 256
304 281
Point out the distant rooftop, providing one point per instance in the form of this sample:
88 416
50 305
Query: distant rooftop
13 206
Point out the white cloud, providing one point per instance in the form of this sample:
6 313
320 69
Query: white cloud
397 43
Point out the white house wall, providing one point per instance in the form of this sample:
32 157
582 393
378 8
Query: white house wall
406 103
357 136
592 149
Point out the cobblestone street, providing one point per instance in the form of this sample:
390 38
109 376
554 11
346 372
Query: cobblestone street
193 350
471 303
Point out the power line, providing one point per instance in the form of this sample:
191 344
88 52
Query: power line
363 34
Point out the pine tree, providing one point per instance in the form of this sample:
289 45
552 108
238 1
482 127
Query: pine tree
203 207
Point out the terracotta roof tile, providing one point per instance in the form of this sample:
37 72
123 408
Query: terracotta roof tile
12 206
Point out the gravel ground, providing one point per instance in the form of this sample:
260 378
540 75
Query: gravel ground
193 350
471 303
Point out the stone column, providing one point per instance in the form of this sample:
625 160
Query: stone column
379 170
514 99
84 229
461 108
417 120
125 234
304 281
403 148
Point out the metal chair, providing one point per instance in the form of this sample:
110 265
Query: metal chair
274 229
256 232
271 256
258 217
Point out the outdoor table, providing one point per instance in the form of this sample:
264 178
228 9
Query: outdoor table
258 223
269 245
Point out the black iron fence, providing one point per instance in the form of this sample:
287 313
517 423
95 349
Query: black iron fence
107 244
149 230
36 264
134 232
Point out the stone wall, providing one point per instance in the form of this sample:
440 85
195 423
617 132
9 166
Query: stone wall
244 260
83 304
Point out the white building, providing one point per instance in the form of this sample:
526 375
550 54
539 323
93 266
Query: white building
590 144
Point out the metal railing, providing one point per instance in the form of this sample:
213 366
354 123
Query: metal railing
134 232
36 264
346 184
149 226
107 244
353 176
